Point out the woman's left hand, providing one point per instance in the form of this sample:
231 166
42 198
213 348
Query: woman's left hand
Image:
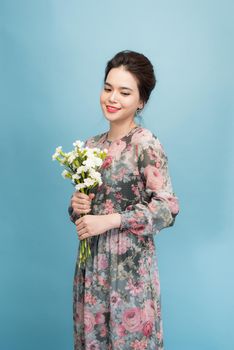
91 225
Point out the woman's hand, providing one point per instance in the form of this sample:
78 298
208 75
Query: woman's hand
93 225
81 202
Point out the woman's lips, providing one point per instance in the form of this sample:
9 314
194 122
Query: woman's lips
112 109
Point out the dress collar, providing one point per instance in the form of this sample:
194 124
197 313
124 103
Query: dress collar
104 136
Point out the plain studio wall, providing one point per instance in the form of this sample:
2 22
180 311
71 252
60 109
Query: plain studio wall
53 55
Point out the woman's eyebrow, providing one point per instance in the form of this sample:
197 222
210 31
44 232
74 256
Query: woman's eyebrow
121 87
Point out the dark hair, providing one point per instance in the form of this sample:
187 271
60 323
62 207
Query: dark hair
140 66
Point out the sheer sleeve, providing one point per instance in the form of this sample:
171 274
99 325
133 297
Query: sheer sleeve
159 205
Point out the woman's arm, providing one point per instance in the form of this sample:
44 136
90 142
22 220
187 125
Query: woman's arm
163 205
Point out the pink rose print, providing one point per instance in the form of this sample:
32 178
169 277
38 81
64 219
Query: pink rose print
90 299
89 321
117 148
141 135
99 318
135 227
153 154
109 207
93 345
152 206
134 287
132 319
119 244
108 189
148 261
159 336
172 202
147 328
107 162
115 299
135 190
139 344
118 196
118 344
103 332
154 179
148 312
121 331
88 281
79 312
119 175
158 311
117 294
156 279
102 262
142 271
103 282
151 249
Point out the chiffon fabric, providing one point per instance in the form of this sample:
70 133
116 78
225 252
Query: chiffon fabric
116 296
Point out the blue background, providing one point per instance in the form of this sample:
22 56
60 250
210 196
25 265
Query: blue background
53 56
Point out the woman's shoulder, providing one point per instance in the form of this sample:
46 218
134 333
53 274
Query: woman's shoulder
144 137
93 140
149 144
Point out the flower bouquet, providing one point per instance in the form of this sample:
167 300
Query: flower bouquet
81 167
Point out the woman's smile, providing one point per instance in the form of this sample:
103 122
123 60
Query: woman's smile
112 109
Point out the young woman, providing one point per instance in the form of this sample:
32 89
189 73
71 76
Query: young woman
116 301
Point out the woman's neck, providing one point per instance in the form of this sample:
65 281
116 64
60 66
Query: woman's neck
118 131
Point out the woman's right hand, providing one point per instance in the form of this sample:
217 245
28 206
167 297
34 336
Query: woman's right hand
80 204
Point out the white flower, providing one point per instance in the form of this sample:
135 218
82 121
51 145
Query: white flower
89 162
89 182
57 152
76 176
90 159
72 156
95 175
64 173
92 162
79 186
78 144
81 168
98 161
89 152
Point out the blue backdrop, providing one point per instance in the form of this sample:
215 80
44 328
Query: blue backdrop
53 55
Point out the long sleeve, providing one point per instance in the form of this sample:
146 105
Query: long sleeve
159 205
73 217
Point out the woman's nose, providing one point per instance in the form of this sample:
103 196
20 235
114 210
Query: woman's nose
112 96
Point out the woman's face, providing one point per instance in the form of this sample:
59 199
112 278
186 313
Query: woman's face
121 92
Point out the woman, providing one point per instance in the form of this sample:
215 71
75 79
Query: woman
117 294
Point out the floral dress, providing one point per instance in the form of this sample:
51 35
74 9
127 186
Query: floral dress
116 296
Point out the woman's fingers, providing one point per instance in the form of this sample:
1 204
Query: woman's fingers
81 208
81 202
91 196
81 195
80 205
81 199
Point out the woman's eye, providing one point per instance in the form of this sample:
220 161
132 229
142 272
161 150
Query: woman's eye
123 93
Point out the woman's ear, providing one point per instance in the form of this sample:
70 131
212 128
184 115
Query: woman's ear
142 104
